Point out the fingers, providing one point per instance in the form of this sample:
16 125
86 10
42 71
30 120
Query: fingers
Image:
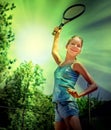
73 92
57 30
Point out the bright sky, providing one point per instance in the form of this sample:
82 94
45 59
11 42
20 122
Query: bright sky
33 23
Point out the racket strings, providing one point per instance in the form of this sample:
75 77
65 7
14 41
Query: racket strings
73 12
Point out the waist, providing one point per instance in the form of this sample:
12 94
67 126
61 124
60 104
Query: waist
59 102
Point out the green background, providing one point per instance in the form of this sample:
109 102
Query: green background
33 23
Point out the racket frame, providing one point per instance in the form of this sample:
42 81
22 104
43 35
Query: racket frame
70 19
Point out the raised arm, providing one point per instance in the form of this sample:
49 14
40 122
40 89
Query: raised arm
55 50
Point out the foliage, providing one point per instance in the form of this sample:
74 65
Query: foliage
22 103
86 105
6 38
28 107
94 114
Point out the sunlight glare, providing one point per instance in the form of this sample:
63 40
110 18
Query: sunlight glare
33 44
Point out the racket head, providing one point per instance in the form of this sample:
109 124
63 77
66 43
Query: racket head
74 11
71 13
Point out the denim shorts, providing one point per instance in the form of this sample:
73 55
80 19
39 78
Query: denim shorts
66 109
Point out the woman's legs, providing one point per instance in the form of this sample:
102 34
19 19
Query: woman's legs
60 125
70 123
64 116
73 123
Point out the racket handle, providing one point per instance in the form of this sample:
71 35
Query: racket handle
60 26
53 33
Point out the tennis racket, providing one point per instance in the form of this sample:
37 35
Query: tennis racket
71 13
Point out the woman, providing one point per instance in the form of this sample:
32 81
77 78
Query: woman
66 75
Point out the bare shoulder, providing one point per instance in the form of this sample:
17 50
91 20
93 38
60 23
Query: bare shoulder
79 67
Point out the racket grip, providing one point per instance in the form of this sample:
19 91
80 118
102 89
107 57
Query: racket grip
60 26
53 33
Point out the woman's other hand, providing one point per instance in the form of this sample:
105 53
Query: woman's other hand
73 93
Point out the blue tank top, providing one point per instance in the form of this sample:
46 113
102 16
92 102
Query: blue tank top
64 77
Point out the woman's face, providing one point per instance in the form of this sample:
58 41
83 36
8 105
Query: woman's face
74 46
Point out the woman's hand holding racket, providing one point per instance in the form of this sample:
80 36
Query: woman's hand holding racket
57 31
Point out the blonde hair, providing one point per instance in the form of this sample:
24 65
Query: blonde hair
74 37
